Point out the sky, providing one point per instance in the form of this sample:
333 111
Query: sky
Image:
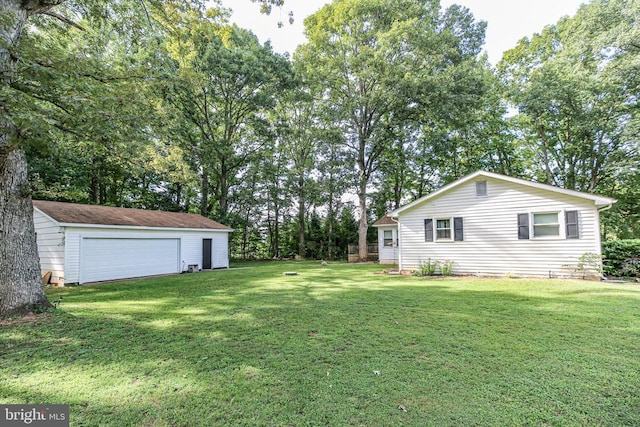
508 21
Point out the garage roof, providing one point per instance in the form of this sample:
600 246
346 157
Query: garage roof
72 213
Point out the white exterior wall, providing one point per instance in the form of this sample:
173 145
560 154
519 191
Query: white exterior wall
491 244
50 238
388 254
190 245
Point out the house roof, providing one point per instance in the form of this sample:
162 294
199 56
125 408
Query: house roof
72 213
599 201
385 220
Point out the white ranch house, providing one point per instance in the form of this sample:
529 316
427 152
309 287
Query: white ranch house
85 243
491 224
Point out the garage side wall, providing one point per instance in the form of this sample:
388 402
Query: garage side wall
50 245
192 248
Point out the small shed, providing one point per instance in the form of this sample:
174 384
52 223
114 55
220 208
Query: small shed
86 243
387 240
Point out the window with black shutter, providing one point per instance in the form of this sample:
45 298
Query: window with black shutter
523 226
458 232
428 230
571 223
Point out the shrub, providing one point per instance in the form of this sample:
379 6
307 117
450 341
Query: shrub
427 268
446 268
621 257
589 263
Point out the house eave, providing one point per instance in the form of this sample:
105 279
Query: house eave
145 228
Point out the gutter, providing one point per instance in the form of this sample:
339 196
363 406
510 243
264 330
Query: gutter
605 208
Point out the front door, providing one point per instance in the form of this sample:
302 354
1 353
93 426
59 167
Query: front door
206 254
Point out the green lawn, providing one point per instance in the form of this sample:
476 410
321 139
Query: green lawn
332 346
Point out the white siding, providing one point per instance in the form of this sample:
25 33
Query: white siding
50 237
220 250
190 249
491 244
387 254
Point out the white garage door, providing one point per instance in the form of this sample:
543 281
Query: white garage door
111 259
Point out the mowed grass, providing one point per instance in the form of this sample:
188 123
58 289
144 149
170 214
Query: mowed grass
332 346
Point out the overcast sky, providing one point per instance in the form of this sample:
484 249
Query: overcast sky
507 20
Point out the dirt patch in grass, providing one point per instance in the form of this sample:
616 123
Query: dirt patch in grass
30 318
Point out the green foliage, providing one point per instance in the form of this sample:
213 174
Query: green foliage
446 267
386 68
216 96
621 257
266 349
427 268
590 263
575 85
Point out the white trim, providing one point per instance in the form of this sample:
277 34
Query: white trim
435 230
134 227
560 223
47 216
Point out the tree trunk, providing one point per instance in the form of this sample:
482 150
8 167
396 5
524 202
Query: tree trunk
204 201
301 216
362 225
21 288
223 208
330 221
20 285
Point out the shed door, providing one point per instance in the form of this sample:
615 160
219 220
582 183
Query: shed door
206 254
116 258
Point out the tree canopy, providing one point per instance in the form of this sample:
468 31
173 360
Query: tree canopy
166 105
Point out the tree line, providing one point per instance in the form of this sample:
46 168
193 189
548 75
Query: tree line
166 105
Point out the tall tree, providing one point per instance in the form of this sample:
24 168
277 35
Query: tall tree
222 97
20 286
368 54
576 86
574 102
33 97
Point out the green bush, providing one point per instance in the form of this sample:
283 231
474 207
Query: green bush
446 268
427 268
621 257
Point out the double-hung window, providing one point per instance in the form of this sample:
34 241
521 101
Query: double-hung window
443 229
388 238
546 224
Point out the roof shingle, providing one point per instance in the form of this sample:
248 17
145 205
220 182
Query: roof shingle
72 213
385 220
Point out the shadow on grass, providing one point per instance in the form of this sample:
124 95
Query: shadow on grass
331 347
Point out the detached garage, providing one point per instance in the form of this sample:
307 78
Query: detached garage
86 243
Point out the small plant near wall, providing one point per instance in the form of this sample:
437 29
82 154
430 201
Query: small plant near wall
590 263
427 268
446 267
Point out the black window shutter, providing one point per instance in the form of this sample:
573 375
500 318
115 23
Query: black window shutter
571 222
428 230
523 226
458 233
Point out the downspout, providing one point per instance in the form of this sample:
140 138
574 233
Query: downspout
602 209
398 244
